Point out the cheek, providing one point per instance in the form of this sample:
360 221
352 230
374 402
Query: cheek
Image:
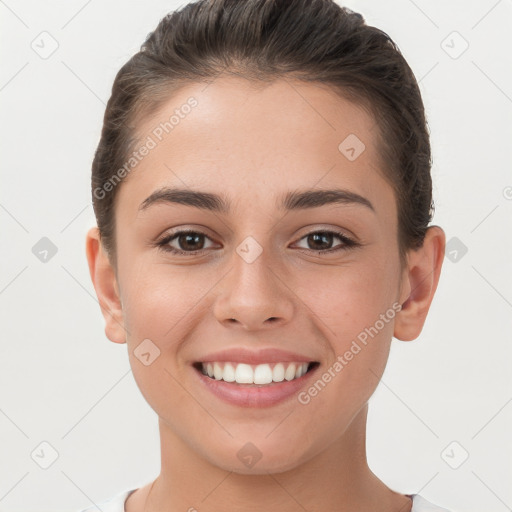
159 300
346 299
354 305
160 304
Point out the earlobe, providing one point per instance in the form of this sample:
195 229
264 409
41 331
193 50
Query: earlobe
105 283
419 284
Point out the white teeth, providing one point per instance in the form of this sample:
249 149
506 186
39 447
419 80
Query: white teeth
289 374
242 373
278 372
262 374
229 373
217 371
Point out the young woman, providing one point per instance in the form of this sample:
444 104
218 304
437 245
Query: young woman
263 197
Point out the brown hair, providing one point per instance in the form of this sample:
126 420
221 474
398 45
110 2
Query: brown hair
263 40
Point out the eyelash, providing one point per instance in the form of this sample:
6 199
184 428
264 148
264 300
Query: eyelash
163 244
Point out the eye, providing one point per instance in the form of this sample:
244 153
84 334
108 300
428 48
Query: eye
321 241
188 241
191 242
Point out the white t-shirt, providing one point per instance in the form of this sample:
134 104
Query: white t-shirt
116 504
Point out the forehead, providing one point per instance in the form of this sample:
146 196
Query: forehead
257 140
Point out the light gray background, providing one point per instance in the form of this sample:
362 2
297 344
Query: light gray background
61 380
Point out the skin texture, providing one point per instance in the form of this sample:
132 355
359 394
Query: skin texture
252 144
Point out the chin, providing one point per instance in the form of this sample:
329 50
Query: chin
251 460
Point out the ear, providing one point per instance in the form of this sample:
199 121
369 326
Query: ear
105 283
419 283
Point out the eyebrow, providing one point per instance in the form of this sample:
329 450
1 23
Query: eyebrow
294 200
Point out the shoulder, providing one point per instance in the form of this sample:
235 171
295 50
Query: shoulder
420 504
114 504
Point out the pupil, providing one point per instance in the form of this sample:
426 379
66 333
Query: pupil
324 236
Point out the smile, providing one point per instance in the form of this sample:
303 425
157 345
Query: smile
254 385
261 374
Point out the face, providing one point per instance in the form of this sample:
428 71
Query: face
308 280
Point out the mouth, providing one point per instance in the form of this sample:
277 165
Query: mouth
254 375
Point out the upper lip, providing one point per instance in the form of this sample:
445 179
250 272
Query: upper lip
247 356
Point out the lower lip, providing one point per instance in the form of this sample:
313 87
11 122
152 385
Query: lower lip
244 395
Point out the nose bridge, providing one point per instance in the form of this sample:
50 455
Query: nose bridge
253 292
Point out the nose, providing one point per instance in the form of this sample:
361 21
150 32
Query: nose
254 296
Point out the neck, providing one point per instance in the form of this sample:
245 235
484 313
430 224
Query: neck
338 478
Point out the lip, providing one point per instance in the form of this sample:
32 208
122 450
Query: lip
261 356
255 395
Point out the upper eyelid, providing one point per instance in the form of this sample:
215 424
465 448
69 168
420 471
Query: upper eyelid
314 228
